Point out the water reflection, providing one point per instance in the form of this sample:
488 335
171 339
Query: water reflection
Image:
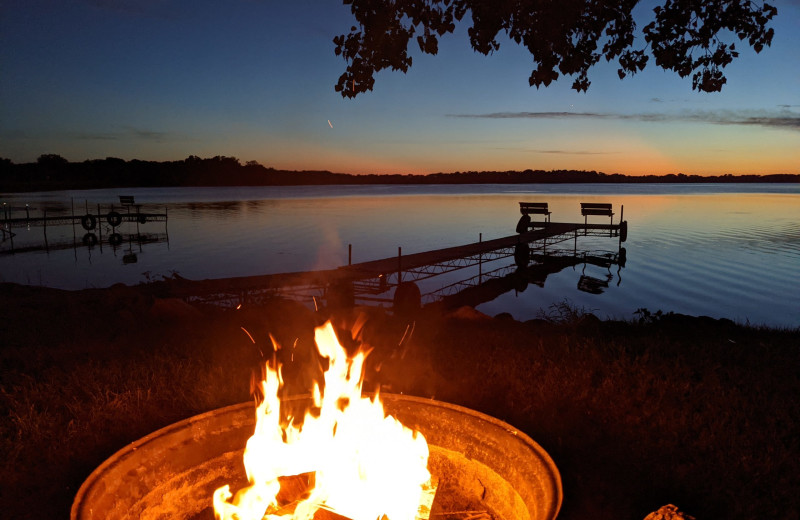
516 279
712 250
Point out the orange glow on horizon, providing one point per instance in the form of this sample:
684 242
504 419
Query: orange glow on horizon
632 156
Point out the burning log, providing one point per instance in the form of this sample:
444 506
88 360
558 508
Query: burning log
295 488
427 498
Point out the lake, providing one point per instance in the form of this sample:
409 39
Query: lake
721 250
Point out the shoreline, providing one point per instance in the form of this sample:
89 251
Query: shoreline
53 172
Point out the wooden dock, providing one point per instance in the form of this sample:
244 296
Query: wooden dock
61 220
386 273
413 261
92 217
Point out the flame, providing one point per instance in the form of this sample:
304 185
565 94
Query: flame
365 464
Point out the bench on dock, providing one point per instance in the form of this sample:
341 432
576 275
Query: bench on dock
531 208
534 208
594 208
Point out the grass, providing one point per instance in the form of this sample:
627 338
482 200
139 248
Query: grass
702 414
669 409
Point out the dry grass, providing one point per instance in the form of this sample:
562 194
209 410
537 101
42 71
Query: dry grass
695 412
699 413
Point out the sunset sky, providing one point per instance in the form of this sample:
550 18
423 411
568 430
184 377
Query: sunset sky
165 79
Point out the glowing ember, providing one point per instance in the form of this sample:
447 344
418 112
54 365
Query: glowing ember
365 464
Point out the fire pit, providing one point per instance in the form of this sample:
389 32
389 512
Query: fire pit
482 465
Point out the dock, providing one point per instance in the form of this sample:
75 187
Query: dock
553 231
367 281
114 215
96 216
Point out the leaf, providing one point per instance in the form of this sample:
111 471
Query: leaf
560 35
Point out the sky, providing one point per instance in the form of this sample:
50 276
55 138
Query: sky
254 79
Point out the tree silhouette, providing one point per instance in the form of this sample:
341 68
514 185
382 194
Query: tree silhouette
564 37
51 160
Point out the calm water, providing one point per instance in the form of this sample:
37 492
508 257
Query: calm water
718 250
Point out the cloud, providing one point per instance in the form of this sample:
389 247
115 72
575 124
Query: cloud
97 137
557 152
765 119
147 135
127 134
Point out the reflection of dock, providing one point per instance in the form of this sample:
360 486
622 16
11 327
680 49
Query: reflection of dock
487 286
375 280
114 241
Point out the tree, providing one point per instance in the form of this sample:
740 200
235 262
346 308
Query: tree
564 37
51 160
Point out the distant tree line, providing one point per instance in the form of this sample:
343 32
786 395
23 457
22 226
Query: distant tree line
53 172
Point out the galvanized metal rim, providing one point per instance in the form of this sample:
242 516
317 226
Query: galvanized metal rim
96 475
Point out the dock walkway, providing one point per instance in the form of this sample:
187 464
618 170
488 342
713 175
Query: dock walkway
382 269
61 220
416 260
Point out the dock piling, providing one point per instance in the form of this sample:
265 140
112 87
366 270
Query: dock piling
72 206
100 227
399 265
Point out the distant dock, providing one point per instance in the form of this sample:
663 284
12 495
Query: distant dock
114 216
91 220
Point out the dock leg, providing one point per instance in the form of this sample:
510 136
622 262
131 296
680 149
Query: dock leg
100 228
399 265
72 205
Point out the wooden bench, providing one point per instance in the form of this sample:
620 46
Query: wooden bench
127 201
531 208
534 208
593 208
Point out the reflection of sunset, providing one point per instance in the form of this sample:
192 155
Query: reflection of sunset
685 209
683 240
